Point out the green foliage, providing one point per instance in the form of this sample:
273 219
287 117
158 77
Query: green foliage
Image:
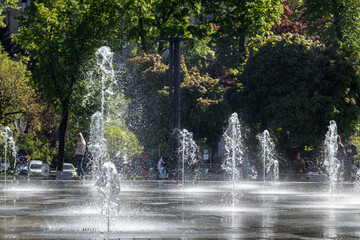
294 87
336 22
203 112
37 146
234 21
119 140
62 37
147 109
9 4
17 97
145 21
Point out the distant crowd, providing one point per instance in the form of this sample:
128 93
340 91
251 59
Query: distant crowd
345 155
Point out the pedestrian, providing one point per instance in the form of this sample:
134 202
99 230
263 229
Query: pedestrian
80 148
145 168
162 168
298 167
351 152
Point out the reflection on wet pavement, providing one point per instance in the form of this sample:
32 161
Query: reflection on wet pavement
149 209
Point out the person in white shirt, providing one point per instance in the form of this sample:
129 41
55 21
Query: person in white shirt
161 168
80 148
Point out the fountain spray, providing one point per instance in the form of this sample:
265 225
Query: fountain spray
8 140
188 151
267 155
233 150
104 171
97 141
331 147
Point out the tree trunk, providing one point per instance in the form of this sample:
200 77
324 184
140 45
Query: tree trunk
62 132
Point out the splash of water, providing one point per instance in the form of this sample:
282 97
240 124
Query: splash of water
233 150
104 171
108 186
267 155
9 143
357 179
276 170
188 151
331 162
97 142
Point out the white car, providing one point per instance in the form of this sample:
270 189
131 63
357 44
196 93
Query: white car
68 167
35 166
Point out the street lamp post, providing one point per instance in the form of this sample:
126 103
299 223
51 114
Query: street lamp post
174 101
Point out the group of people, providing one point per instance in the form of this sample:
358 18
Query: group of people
345 155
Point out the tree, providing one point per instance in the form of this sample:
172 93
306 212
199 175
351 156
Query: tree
17 97
294 87
145 21
8 4
203 112
61 36
234 21
289 22
147 114
335 22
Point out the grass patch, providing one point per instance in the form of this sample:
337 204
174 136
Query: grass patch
7 174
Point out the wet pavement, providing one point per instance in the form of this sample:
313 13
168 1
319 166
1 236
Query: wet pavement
163 210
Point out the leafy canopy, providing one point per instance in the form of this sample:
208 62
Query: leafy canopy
335 22
147 91
8 4
294 87
234 21
17 97
62 35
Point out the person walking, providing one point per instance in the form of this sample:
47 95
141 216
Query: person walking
351 152
298 168
80 148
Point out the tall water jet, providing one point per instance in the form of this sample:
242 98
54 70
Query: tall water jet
331 162
9 143
188 151
104 171
233 150
97 141
267 155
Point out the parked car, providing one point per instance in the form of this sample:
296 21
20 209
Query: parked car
35 166
68 167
